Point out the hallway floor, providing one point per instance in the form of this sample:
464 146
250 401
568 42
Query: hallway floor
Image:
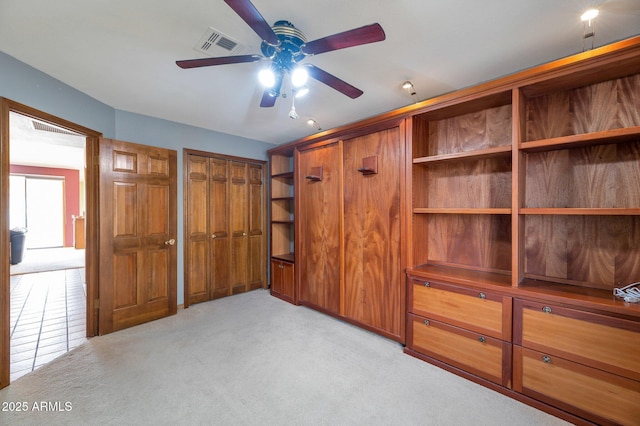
48 317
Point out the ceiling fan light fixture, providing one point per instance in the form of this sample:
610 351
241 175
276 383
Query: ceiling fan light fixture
267 77
299 76
589 15
301 91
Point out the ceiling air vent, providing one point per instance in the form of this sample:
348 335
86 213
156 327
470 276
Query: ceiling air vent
215 43
46 127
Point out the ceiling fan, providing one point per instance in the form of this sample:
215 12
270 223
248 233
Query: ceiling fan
285 47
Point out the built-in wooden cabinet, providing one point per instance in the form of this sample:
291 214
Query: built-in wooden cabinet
349 197
319 223
526 188
523 191
283 280
578 360
225 217
468 329
282 226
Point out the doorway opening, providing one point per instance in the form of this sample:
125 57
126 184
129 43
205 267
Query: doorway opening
47 273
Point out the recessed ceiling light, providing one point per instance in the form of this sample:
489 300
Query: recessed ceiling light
589 15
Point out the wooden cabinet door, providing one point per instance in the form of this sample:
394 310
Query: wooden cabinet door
319 195
238 206
282 280
372 247
197 236
218 215
138 227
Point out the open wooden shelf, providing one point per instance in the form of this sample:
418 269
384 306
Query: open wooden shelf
462 276
581 211
629 134
436 210
285 175
499 151
285 257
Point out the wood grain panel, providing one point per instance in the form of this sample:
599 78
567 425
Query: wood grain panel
373 272
628 89
475 353
125 274
125 202
591 251
482 241
239 222
125 161
470 184
158 166
319 219
599 396
158 283
472 131
597 107
196 208
601 176
198 271
594 108
158 216
461 307
606 343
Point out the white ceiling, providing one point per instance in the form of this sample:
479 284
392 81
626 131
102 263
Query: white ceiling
123 52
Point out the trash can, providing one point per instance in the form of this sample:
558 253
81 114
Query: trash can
18 246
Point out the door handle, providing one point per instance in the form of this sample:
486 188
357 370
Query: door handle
170 242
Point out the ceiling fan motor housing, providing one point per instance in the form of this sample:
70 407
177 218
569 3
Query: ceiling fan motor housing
285 55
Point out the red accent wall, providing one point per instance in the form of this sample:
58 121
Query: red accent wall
71 192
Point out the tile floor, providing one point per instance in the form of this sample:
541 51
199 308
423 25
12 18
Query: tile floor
47 317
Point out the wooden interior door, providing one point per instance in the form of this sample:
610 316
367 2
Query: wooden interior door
197 234
373 280
319 195
138 224
238 205
218 213
256 226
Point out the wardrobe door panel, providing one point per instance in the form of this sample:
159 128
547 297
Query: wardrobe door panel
218 226
319 193
372 250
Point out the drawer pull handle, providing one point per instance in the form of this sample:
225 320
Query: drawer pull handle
481 339
427 284
546 358
482 296
546 309
426 322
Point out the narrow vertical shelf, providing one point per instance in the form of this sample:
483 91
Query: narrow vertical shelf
282 225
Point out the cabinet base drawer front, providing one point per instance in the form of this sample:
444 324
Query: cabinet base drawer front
594 394
468 308
606 343
478 354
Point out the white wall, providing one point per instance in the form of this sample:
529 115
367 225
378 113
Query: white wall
24 84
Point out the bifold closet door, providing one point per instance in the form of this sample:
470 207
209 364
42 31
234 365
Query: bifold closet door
319 197
372 249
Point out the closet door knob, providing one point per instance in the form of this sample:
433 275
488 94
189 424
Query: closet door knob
170 242
213 235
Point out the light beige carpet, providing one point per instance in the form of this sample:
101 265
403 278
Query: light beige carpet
253 359
53 259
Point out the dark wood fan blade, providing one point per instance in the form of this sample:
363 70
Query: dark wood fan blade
222 60
249 14
270 96
363 35
333 81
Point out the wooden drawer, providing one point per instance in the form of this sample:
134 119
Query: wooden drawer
475 353
594 394
485 313
607 343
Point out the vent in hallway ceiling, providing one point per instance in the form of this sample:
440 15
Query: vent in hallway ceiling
215 43
46 127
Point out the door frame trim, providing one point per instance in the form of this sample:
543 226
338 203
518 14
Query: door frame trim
91 221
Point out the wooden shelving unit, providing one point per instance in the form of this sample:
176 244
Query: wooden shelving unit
282 226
